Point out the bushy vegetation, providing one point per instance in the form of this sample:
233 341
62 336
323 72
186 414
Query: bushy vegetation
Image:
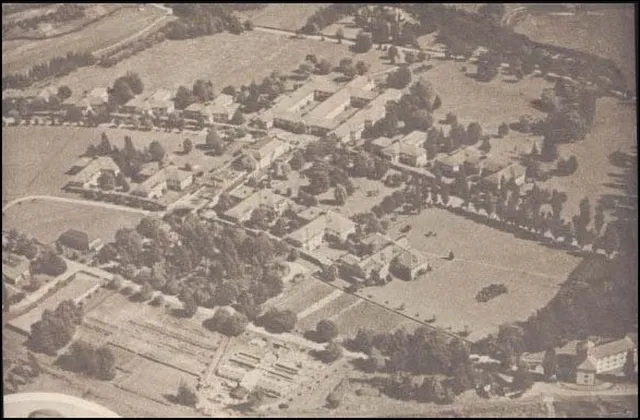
56 328
56 67
64 13
489 292
82 357
200 19
328 15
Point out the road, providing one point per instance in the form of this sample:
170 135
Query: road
110 206
143 31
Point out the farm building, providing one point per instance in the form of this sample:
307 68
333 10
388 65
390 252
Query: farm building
227 178
153 187
412 151
351 129
263 198
242 192
381 144
196 111
89 175
94 101
266 151
330 224
77 239
515 172
15 268
409 264
158 104
363 269
222 108
451 164
594 359
310 213
177 179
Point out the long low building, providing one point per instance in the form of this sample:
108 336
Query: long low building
263 198
311 236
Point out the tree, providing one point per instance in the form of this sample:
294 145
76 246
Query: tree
400 78
340 194
503 130
629 367
276 321
485 146
297 160
189 306
363 42
361 67
323 67
248 25
184 97
187 146
326 330
122 91
146 292
64 92
186 396
134 82
238 117
550 364
549 150
334 399
156 151
107 181
230 324
213 142
339 35
392 53
598 219
474 133
437 103
203 90
331 352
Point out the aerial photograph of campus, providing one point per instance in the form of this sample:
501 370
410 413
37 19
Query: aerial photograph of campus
319 210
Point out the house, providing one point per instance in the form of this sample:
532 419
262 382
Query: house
75 239
320 126
88 176
409 264
15 268
266 151
319 89
222 108
196 111
47 93
153 187
135 105
595 359
264 198
451 164
381 144
363 269
515 172
95 101
331 225
147 170
310 213
227 178
79 165
533 362
160 103
178 179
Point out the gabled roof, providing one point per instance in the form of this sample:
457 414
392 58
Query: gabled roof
383 142
102 163
152 182
612 348
588 365
175 174
459 157
415 138
13 266
311 213
512 171
410 258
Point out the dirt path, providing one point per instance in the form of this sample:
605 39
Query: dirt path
74 201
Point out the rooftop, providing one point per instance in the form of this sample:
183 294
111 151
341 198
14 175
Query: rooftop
383 142
328 221
14 265
409 257
286 103
266 146
326 108
613 347
310 213
512 171
264 197
173 173
415 138
102 163
460 156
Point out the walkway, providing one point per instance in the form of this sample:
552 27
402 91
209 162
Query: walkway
110 206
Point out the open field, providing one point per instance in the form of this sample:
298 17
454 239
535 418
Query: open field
614 129
46 221
368 315
225 59
302 295
607 32
18 56
331 309
80 285
489 245
282 16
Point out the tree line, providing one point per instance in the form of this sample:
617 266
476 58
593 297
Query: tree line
327 15
64 13
196 20
55 67
56 328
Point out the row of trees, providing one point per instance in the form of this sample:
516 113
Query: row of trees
55 67
196 20
202 91
127 50
64 13
56 328
328 15
385 27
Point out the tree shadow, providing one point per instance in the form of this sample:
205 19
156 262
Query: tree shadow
171 398
179 313
329 202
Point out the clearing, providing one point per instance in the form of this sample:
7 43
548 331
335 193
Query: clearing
20 55
223 58
287 16
46 220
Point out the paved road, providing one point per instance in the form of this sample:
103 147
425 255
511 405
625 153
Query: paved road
73 201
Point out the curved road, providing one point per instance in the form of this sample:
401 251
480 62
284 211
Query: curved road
73 201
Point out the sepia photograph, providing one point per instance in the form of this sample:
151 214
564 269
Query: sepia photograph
323 210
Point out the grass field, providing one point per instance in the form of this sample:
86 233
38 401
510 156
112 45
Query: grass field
225 59
330 310
302 295
47 220
368 315
607 32
77 287
289 16
20 55
614 129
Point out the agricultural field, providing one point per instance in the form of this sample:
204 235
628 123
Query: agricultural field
614 130
223 58
46 220
369 315
289 17
604 31
302 295
330 310
19 55
78 286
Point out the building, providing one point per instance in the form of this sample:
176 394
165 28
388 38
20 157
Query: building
153 187
88 176
330 225
411 150
196 111
147 170
595 359
262 199
267 150
227 178
47 93
451 164
15 268
381 146
94 101
178 179
363 269
310 213
222 108
77 239
409 264
160 103
515 172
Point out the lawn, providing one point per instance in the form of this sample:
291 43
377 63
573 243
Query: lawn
330 310
46 220
77 287
607 32
302 295
614 129
368 315
287 16
18 56
225 59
